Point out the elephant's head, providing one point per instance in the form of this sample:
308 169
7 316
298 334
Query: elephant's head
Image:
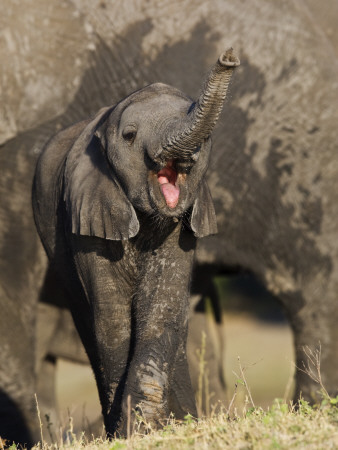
150 153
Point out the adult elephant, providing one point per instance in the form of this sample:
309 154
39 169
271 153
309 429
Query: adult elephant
274 169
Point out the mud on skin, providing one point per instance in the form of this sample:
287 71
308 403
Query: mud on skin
125 179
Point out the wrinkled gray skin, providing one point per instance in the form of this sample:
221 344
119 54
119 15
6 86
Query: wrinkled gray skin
273 172
118 203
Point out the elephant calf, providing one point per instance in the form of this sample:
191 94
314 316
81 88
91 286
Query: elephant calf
118 202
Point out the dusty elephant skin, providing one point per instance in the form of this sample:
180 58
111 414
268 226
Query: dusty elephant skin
273 172
118 202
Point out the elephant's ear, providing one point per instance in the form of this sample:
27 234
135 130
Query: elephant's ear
203 216
95 202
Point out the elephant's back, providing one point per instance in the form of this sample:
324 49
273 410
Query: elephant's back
48 180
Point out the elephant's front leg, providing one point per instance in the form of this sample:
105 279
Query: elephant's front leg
160 312
103 318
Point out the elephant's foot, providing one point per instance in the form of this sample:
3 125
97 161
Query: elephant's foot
143 418
146 408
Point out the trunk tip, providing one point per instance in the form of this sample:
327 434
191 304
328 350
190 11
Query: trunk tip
229 58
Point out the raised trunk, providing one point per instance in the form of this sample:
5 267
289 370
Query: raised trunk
203 114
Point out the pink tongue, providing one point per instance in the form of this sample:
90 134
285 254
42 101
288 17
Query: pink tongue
171 194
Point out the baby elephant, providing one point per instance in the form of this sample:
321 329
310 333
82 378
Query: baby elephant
119 200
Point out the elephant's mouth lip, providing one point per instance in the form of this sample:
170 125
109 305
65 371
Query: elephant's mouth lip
167 179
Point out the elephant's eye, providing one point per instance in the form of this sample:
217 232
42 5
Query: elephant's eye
129 135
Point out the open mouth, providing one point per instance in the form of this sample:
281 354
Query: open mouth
167 178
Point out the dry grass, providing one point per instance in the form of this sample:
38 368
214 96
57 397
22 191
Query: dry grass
280 427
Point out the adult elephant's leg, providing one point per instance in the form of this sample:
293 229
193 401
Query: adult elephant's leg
161 311
56 338
205 351
18 412
103 319
315 336
47 325
206 329
46 394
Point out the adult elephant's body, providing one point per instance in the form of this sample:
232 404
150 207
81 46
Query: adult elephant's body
273 177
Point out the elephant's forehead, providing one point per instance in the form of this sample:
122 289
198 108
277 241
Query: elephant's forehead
155 109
